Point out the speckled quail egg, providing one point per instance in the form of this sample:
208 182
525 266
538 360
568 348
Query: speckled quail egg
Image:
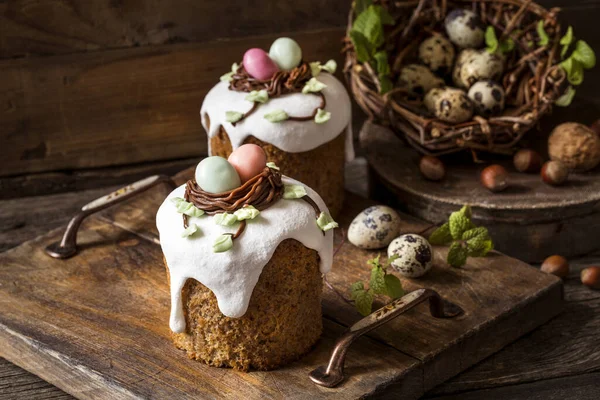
487 97
463 56
418 79
374 227
415 255
449 104
437 53
479 66
465 28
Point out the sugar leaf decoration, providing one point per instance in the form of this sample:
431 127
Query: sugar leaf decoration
322 116
190 231
313 86
187 208
225 219
316 67
233 116
272 165
246 212
228 77
258 96
293 192
222 243
276 116
325 222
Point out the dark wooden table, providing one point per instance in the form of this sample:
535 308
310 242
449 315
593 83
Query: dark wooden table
559 360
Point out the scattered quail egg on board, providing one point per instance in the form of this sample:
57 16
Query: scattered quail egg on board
487 97
449 104
374 227
465 28
437 53
418 79
415 255
478 66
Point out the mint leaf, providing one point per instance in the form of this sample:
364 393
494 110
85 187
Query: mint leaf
480 232
381 61
362 46
507 45
361 5
458 224
544 39
322 116
479 246
391 259
233 116
584 54
369 24
491 41
566 41
276 116
377 282
222 243
393 286
566 99
457 255
385 17
374 262
574 70
293 191
355 288
325 222
385 83
466 211
441 235
364 302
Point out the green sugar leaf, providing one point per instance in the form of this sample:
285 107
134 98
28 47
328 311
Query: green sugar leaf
566 41
584 54
479 246
322 116
566 99
491 41
272 165
258 96
228 77
293 192
325 222
190 231
480 232
362 46
276 116
330 66
246 212
393 286
544 39
355 288
313 86
457 255
233 116
441 235
225 219
364 302
222 243
184 207
459 223
377 282
315 68
574 70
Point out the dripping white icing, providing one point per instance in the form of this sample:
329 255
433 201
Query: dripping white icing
289 136
233 274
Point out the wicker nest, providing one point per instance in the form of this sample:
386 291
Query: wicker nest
532 80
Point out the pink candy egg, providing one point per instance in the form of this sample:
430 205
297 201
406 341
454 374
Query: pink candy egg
258 64
248 160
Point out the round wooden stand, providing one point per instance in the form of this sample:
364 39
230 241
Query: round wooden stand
529 220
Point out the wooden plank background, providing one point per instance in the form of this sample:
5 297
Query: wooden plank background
88 84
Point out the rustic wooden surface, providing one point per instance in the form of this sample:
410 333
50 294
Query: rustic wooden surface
97 299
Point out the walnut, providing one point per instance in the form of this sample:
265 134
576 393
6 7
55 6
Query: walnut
575 145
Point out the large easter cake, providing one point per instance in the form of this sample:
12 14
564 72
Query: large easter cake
245 249
297 111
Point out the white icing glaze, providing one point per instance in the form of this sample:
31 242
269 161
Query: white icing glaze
232 275
289 136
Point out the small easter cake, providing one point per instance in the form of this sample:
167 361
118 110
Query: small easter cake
297 111
245 249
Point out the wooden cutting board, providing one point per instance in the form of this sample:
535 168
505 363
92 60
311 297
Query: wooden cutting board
96 325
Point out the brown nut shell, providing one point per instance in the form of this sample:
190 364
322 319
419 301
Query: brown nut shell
494 178
575 145
590 277
527 160
556 265
554 173
432 168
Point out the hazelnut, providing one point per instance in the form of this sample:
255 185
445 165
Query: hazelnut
432 168
575 145
494 177
596 127
527 160
556 265
554 173
590 277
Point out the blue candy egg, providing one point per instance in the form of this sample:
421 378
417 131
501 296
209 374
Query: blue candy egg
286 53
216 175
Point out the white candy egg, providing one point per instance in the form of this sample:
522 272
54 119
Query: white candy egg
286 53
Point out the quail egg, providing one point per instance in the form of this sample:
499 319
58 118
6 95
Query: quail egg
415 255
449 104
463 56
487 97
465 28
437 53
418 79
479 66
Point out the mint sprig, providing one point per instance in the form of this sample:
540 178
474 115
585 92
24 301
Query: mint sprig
380 283
464 238
494 45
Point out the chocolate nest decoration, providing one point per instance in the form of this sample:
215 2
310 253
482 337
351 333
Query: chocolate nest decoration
261 192
282 83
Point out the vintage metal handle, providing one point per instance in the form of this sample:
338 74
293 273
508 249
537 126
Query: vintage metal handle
67 247
333 373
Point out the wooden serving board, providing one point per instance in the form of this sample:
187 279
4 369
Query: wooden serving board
96 325
530 220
